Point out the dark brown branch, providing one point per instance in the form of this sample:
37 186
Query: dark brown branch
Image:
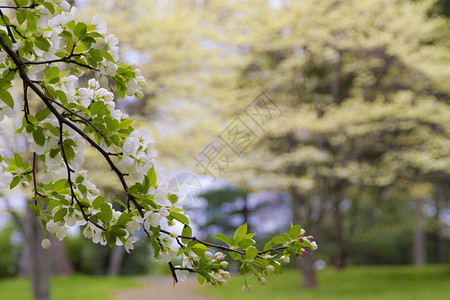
81 117
48 102
8 29
17 31
34 175
17 8
193 238
69 179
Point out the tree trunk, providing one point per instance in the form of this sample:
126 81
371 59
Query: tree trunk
309 279
35 263
299 205
419 240
438 237
60 262
340 252
115 261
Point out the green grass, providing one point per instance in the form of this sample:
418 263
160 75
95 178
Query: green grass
70 288
362 283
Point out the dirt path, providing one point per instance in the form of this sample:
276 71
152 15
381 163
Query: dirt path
162 289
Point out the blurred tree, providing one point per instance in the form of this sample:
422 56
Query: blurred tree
364 99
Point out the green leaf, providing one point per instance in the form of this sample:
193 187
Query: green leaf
50 7
120 202
18 160
20 16
51 128
99 200
59 215
187 231
106 213
38 136
6 97
151 174
111 124
125 123
22 2
66 35
245 243
110 238
62 97
251 252
201 247
173 198
97 107
180 217
15 181
222 237
145 185
34 208
82 188
80 30
294 232
31 21
278 240
42 114
59 185
240 232
42 43
79 49
123 219
52 204
108 56
4 21
200 279
268 246
51 73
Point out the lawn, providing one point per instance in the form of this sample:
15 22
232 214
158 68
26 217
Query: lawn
362 283
70 288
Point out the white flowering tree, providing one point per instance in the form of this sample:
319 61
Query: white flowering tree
46 50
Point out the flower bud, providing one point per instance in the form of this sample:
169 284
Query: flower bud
270 269
134 64
221 282
246 288
226 274
46 243
262 281
38 32
224 264
208 255
78 72
218 256
139 94
302 231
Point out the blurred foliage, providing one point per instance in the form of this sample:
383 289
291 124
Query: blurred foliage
89 258
360 127
9 252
